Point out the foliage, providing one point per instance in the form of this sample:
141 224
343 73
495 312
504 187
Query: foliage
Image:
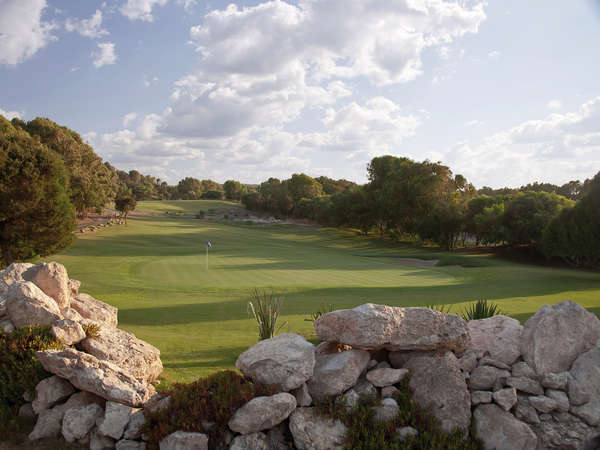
574 235
213 399
91 330
481 309
441 308
125 203
366 433
324 309
212 195
36 215
20 371
265 308
200 214
234 190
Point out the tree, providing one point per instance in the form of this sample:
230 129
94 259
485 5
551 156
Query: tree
302 186
234 190
36 215
125 203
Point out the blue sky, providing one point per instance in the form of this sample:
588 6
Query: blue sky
503 92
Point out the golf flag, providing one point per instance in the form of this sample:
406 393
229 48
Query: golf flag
208 244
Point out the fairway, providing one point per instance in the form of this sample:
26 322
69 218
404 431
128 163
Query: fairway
154 271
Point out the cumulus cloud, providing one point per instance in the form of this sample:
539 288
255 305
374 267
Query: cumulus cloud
105 55
22 30
9 115
554 104
559 147
142 9
128 118
91 28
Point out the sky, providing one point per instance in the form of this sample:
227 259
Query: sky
503 92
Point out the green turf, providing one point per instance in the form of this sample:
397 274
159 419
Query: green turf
154 271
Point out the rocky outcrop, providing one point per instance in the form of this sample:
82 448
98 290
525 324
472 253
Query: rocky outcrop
12 274
498 336
102 378
51 278
336 372
99 312
262 413
286 361
26 304
312 432
556 335
51 391
500 430
181 440
372 327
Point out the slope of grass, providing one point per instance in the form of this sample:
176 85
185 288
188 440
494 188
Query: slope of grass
154 270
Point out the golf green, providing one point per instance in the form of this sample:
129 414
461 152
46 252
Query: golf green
154 270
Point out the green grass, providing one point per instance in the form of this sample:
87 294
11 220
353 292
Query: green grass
154 271
188 206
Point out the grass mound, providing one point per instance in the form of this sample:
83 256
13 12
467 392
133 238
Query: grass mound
203 406
366 433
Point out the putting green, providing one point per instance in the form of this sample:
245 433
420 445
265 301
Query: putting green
154 271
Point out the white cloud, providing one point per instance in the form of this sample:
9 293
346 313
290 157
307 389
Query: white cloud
474 123
494 54
558 147
10 114
142 9
105 56
150 81
128 118
554 104
91 28
22 30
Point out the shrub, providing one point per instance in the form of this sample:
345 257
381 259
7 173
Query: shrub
91 330
365 433
20 371
324 309
265 308
213 400
481 309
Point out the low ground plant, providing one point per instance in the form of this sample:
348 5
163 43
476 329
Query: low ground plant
20 371
204 406
481 309
366 433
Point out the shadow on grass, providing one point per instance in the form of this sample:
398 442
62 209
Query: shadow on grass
217 357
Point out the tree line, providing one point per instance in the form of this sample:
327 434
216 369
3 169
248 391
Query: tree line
49 175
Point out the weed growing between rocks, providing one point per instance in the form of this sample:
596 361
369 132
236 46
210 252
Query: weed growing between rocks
20 371
481 309
91 330
366 433
203 406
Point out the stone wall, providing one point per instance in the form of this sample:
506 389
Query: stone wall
521 387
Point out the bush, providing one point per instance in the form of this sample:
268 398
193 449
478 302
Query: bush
365 433
20 371
481 309
265 308
213 399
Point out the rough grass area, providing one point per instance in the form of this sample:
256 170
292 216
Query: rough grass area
366 433
154 271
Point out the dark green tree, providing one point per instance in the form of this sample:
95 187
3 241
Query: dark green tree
234 190
36 214
125 203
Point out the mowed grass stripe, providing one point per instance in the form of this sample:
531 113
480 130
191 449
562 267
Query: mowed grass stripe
154 271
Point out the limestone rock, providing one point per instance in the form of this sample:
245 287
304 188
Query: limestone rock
585 378
302 395
578 394
371 327
437 384
487 361
126 444
49 423
479 397
524 411
388 391
525 384
381 365
336 372
262 413
26 410
89 308
74 286
485 377
351 399
506 398
103 378
399 359
12 274
26 304
287 360
522 369
51 278
254 441
71 314
182 440
137 357
2 307
6 325
498 335
115 420
134 427
68 331
542 403
50 391
569 433
78 421
556 380
403 432
386 377
386 411
99 442
364 388
556 335
468 361
314 432
500 430
561 399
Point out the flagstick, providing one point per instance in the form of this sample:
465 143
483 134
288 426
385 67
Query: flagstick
207 257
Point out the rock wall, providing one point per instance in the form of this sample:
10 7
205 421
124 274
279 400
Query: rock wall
519 387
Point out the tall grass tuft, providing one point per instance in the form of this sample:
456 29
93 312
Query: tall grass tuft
481 309
324 309
441 308
265 308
